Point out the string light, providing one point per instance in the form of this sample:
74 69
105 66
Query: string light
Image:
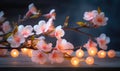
101 54
92 51
80 53
30 52
75 61
25 51
89 60
111 53
14 53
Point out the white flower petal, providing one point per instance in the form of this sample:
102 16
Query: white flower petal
29 27
64 41
107 40
41 22
35 27
48 24
104 47
1 14
31 5
20 28
106 18
37 30
102 14
69 46
59 32
95 12
58 27
41 38
15 45
103 36
52 11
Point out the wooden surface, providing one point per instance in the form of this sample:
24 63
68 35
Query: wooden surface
24 61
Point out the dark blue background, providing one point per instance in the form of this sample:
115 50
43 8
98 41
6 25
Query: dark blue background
75 9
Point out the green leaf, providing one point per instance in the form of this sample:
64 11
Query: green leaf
15 29
36 15
7 35
99 10
32 38
66 21
82 24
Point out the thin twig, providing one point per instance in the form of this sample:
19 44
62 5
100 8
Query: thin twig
76 30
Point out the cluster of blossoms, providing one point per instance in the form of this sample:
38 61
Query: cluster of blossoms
54 54
97 19
46 51
5 26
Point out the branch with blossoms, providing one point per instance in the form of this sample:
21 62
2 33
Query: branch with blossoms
33 37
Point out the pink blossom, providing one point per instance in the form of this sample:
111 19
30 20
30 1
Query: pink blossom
64 46
43 26
32 10
51 14
49 25
103 40
39 57
16 40
56 56
100 20
90 15
90 44
41 38
40 28
69 51
6 27
25 31
59 32
43 46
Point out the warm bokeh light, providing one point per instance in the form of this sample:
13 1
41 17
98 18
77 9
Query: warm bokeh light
89 60
30 52
25 51
14 53
92 51
101 54
75 61
80 53
111 53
